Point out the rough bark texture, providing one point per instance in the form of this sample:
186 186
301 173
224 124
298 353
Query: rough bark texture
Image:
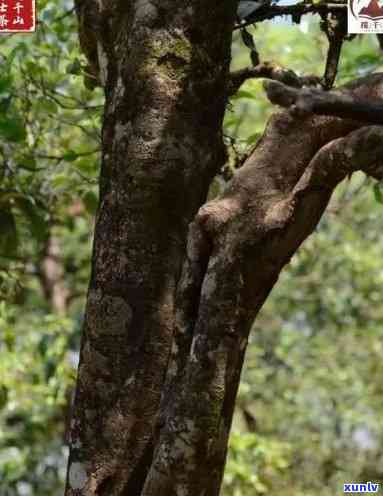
314 101
270 71
243 240
165 334
165 83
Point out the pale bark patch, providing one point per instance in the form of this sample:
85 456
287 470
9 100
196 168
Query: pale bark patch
122 131
145 11
77 475
209 285
193 356
279 213
173 368
182 491
103 64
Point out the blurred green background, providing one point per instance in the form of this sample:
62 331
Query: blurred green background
310 408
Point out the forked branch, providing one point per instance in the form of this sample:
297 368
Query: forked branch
237 247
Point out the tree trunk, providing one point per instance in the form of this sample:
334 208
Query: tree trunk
165 85
166 324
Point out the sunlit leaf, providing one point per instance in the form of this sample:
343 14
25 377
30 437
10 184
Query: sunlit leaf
91 202
378 193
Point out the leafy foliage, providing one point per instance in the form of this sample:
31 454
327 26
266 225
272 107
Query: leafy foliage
49 142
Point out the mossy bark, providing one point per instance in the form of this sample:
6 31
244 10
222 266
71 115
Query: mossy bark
164 66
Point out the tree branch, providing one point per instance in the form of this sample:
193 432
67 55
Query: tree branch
360 150
237 247
335 27
296 11
313 101
269 70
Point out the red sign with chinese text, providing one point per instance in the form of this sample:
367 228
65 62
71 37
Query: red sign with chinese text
17 16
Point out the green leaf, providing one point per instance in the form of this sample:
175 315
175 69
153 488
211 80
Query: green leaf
9 339
253 138
86 166
12 129
43 345
21 47
3 396
33 68
34 217
8 233
48 106
27 162
60 181
5 83
74 67
378 193
91 202
70 156
245 94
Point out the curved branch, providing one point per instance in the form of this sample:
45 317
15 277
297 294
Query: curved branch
269 70
272 204
314 101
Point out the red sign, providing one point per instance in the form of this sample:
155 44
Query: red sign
17 16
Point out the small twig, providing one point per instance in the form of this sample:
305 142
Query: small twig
62 157
49 95
248 40
335 28
270 71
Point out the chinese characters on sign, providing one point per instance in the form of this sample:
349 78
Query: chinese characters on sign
17 16
365 16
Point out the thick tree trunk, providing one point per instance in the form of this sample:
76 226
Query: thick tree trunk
164 333
165 77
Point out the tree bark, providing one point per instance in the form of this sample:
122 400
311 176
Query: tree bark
315 101
244 239
165 84
166 325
